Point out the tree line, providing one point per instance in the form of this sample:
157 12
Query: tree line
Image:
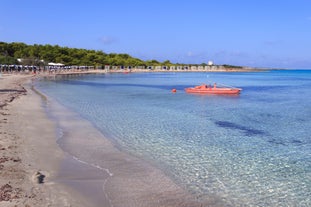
39 55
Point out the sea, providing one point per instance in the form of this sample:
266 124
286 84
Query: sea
251 149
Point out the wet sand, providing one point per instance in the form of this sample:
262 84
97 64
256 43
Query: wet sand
83 168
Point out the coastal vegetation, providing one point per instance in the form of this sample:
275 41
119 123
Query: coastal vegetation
13 53
17 53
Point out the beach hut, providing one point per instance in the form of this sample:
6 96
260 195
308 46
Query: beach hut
193 67
158 67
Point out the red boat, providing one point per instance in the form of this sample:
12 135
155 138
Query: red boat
208 89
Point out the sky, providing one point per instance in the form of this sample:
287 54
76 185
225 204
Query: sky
255 33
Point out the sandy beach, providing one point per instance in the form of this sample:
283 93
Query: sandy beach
37 171
29 156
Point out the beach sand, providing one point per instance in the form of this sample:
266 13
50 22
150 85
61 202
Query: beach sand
30 157
36 169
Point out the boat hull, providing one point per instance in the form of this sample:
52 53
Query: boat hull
213 90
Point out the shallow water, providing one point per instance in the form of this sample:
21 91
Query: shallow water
253 149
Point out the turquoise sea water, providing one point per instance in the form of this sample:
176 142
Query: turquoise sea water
253 149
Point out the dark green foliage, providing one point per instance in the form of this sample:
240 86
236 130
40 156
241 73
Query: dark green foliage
36 54
231 66
7 60
41 55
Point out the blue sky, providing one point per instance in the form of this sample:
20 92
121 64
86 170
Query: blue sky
258 33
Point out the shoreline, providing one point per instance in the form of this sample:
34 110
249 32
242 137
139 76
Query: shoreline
52 172
30 157
133 70
114 177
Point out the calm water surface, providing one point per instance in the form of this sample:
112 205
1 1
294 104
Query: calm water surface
253 149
